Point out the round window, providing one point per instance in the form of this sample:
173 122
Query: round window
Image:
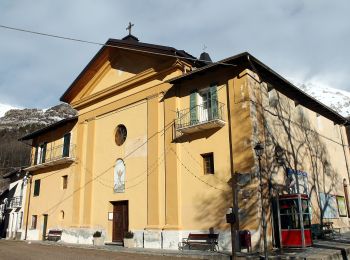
120 134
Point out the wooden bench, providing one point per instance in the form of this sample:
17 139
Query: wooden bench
329 230
54 235
206 241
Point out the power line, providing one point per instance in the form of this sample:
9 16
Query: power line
162 132
152 167
194 175
132 186
106 45
201 164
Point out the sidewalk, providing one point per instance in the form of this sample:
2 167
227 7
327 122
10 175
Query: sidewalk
195 254
338 248
321 250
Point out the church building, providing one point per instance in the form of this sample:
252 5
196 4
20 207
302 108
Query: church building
163 146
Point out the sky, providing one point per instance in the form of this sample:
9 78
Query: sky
306 41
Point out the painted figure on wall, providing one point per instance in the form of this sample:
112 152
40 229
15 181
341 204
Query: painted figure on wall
119 176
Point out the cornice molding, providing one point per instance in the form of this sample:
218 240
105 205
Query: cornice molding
146 75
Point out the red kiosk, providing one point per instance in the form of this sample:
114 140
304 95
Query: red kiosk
294 220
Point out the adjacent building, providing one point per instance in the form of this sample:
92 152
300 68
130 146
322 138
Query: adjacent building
12 205
163 145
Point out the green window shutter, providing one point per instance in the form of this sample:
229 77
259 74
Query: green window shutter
36 155
66 144
36 187
193 108
214 102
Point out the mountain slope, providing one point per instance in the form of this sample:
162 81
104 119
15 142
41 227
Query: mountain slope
16 118
19 122
4 108
338 100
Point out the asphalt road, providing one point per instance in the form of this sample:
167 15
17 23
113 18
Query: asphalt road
19 250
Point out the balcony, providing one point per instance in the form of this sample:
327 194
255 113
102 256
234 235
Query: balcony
200 118
51 156
15 202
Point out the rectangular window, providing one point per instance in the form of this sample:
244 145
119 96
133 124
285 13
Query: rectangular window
66 144
64 181
34 221
208 163
36 188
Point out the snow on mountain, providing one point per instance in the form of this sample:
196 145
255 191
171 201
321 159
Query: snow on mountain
338 100
4 108
16 118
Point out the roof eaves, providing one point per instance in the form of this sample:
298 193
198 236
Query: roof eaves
10 173
228 60
317 105
129 44
332 114
47 128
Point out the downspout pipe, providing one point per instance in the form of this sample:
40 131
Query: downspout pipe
346 163
28 206
234 226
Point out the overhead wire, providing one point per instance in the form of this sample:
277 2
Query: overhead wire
119 47
162 132
195 175
200 164
106 45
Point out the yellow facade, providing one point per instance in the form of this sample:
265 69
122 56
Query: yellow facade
166 191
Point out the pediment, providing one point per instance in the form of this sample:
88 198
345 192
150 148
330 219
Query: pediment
116 69
106 77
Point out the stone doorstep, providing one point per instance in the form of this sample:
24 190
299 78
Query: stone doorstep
195 254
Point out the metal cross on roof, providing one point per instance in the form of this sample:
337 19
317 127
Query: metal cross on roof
204 47
129 27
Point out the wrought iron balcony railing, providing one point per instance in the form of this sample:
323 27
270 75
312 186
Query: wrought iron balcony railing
200 117
48 156
15 202
54 153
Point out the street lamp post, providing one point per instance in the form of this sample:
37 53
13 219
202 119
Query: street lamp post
259 150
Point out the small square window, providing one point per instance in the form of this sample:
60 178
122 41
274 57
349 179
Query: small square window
64 181
208 163
34 221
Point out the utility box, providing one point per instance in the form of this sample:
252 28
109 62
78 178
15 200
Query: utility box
230 218
245 239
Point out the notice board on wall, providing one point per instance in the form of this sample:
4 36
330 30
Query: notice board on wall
329 205
341 206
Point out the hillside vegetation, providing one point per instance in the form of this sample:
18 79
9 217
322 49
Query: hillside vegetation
20 122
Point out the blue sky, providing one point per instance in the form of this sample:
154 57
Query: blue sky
303 40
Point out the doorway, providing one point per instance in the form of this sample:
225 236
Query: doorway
45 226
120 220
204 102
